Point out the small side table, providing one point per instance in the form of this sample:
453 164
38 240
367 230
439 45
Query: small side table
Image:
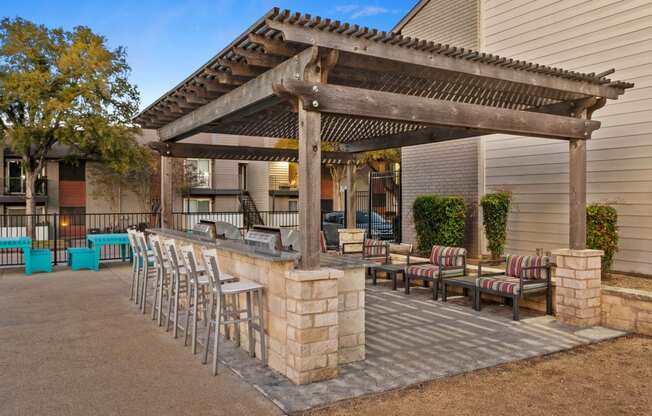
392 271
81 258
469 283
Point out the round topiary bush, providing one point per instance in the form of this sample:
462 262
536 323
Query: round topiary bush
495 209
602 232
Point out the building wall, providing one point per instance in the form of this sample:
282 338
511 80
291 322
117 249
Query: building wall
443 168
448 168
587 37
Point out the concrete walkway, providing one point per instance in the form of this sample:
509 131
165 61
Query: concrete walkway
71 344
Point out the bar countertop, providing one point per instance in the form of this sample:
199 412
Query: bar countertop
237 247
326 260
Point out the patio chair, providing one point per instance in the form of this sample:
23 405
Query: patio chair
523 275
147 266
178 286
197 282
401 249
163 278
444 262
223 312
135 263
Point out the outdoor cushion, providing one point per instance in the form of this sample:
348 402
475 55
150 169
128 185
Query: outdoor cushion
501 284
431 271
423 270
515 265
374 248
509 285
448 255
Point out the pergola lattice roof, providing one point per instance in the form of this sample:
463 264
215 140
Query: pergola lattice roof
372 60
296 76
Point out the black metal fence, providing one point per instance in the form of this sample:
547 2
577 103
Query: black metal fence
61 231
184 221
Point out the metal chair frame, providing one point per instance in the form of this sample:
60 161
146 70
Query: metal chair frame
221 313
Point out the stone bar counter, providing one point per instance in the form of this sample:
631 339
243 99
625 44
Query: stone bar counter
314 320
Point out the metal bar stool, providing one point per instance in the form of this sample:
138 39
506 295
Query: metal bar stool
178 285
220 314
197 282
164 271
147 267
135 254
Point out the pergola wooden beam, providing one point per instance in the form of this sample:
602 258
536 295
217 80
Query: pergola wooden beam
365 46
411 138
399 107
225 152
258 91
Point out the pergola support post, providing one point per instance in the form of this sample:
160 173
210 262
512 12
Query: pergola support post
577 194
350 197
310 173
166 192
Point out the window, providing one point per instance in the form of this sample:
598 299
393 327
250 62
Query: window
198 205
199 172
72 171
15 177
293 205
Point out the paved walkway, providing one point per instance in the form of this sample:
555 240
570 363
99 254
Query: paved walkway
71 344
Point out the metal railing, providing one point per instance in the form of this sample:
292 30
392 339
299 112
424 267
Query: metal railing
184 221
61 231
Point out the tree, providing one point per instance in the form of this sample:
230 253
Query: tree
142 177
338 172
67 88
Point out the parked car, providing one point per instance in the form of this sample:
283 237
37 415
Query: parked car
380 227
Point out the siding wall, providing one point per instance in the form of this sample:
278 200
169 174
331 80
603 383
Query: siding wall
587 36
443 168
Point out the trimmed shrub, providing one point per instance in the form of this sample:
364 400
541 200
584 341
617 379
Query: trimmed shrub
439 220
602 232
495 209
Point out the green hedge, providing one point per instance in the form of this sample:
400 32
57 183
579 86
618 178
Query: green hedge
495 209
439 220
602 232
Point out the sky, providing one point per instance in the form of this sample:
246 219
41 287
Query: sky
167 40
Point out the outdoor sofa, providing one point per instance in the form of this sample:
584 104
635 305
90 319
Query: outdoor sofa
444 262
523 275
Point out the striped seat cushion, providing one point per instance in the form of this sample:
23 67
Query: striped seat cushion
501 284
374 248
516 264
423 270
447 256
431 271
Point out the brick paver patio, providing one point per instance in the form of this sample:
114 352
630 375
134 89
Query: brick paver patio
411 339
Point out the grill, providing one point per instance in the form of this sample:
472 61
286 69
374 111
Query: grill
267 239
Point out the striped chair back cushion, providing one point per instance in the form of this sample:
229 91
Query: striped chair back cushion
447 253
515 264
374 248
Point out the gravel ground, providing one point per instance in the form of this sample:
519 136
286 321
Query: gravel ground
611 378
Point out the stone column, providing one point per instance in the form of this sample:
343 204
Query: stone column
312 325
578 297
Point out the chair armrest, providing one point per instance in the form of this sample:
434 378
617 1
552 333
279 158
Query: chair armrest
419 263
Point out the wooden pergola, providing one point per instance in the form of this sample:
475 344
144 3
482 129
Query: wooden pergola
295 76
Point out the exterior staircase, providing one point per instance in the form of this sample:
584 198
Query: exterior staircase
249 210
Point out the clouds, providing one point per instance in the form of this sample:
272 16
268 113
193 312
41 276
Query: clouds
354 11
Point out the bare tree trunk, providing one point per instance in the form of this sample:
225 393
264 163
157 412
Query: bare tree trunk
30 203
